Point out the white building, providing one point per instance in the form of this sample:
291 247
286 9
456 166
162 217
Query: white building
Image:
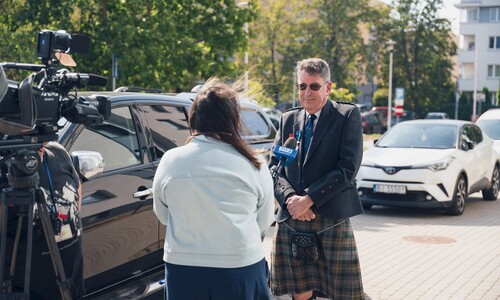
479 48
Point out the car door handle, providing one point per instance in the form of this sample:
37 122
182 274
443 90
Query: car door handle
143 193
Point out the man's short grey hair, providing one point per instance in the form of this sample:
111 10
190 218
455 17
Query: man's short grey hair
314 66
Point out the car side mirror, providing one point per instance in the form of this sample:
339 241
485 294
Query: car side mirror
88 164
467 145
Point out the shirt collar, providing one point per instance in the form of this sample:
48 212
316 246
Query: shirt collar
316 114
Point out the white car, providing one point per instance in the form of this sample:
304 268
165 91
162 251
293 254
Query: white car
429 163
490 124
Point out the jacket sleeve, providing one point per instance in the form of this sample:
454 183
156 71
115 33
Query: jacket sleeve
159 202
343 175
265 204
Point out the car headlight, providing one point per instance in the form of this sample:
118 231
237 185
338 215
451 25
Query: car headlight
436 166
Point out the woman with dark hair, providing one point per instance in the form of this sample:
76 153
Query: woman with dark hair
216 197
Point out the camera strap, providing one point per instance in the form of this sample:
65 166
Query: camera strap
46 165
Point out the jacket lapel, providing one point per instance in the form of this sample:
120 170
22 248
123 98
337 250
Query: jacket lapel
298 127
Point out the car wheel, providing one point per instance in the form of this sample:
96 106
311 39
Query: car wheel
492 193
367 206
459 195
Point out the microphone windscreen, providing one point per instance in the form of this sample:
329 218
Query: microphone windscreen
290 143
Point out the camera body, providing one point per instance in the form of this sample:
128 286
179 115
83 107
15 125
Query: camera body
32 108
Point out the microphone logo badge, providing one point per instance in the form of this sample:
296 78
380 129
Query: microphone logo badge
285 154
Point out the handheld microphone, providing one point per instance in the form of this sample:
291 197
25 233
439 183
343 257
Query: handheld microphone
286 154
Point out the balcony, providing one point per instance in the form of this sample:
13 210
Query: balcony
466 56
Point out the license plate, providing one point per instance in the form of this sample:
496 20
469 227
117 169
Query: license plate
389 189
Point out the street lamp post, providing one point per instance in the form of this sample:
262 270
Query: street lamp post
390 48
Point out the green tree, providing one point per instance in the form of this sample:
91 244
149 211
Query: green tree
422 53
275 46
335 36
380 97
161 44
341 94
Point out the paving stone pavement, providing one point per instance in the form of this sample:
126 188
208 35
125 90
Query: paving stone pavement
423 254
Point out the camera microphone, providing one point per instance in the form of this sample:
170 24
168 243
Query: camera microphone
83 79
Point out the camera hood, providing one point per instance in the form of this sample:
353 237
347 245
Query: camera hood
17 105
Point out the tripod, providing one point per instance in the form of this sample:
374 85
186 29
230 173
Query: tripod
24 192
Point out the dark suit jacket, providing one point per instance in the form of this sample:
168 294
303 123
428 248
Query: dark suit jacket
330 167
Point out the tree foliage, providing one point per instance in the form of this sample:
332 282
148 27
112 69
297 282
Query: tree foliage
175 44
422 53
341 94
275 45
169 44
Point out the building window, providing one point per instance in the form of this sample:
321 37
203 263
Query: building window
494 14
494 71
472 46
472 14
494 42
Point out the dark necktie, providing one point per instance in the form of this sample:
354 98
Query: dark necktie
308 133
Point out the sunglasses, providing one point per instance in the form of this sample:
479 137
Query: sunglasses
313 86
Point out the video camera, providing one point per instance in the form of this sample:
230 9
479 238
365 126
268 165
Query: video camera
29 114
31 109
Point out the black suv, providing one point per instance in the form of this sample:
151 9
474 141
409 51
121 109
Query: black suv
117 160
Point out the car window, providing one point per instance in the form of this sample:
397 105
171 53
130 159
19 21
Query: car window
253 123
168 126
420 136
115 139
491 128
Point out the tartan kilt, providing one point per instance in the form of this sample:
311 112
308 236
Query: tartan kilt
336 274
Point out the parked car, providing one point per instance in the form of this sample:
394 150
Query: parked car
373 122
117 160
489 122
362 107
383 110
437 115
429 163
275 120
257 128
123 240
274 115
407 115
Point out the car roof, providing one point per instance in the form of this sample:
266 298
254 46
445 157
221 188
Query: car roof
246 102
491 114
117 96
437 122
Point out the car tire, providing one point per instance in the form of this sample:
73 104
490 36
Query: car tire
491 194
367 206
459 196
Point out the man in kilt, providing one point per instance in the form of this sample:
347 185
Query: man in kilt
314 251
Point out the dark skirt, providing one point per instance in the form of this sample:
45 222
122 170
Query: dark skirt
203 283
336 274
